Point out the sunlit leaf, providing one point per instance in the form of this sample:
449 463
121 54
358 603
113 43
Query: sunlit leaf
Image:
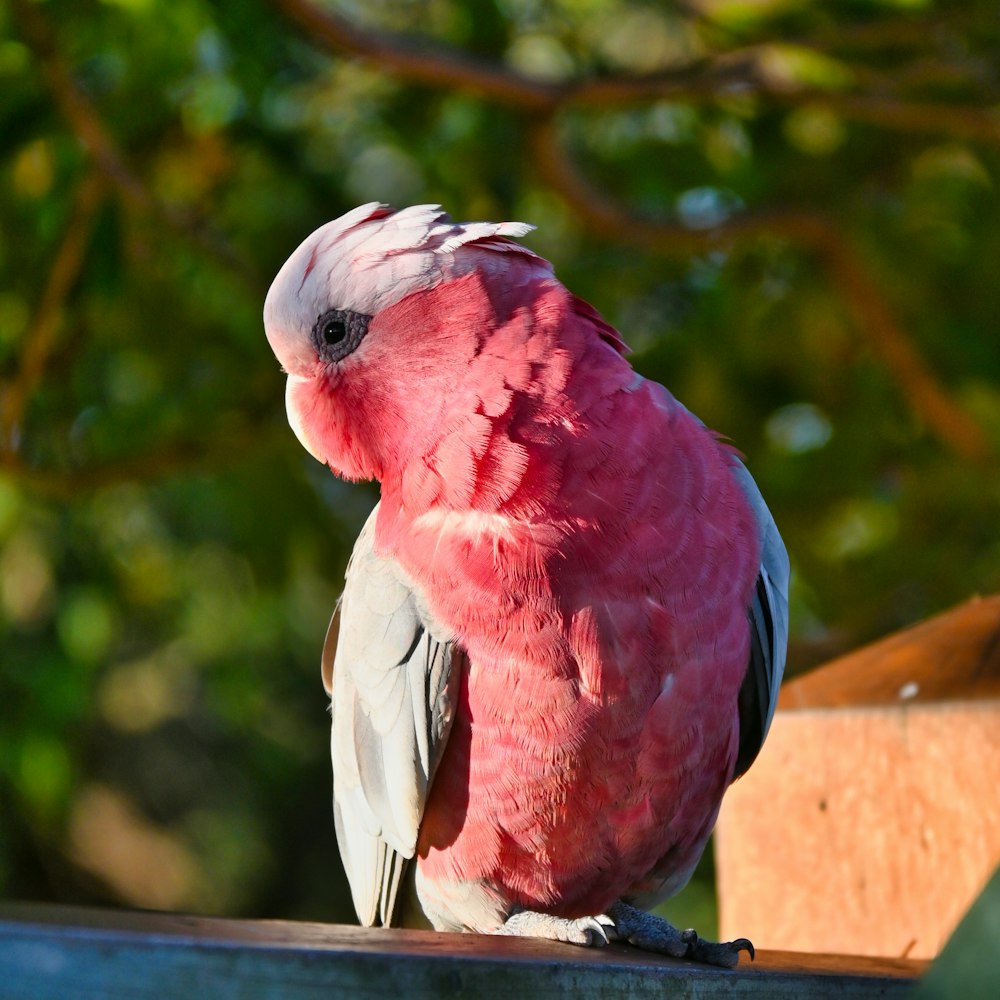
794 65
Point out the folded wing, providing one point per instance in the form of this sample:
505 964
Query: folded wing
393 677
768 614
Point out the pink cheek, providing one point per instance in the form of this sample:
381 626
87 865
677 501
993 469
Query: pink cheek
324 420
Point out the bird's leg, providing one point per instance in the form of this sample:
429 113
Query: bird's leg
588 931
653 933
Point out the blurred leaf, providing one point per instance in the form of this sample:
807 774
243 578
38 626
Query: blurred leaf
815 130
795 65
968 968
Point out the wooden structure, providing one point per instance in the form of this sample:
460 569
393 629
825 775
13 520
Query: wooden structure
871 820
68 953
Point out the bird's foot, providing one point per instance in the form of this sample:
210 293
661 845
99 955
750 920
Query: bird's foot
586 931
653 933
627 923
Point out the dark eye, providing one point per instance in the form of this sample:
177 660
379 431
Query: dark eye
337 332
334 331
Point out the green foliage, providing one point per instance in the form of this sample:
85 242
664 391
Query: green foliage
969 967
168 554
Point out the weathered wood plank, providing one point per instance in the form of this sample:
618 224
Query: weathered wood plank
65 952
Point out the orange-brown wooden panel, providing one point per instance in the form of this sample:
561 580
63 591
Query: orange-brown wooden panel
871 819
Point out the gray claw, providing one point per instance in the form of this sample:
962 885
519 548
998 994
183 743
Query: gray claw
723 953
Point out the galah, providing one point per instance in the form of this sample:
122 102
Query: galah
563 625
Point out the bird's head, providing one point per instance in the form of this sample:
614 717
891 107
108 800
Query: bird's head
346 321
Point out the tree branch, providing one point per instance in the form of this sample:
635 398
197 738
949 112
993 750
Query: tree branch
924 393
917 118
421 61
87 126
611 221
95 138
226 448
710 79
40 337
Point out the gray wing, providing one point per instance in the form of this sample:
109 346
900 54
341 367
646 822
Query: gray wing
768 615
393 677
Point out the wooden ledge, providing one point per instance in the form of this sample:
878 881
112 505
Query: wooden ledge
69 952
954 656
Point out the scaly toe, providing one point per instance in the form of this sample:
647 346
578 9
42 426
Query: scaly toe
591 932
653 933
725 954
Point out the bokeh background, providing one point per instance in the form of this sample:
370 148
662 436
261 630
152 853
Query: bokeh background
789 209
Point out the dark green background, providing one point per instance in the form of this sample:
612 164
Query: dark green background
796 228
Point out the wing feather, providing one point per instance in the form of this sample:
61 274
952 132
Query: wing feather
393 676
768 614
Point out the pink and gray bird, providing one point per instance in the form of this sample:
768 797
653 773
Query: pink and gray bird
564 624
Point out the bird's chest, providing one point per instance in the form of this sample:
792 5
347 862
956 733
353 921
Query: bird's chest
581 726
545 784
565 659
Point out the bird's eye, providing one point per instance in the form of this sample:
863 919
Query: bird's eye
334 331
337 332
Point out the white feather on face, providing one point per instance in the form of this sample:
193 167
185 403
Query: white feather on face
297 424
371 258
